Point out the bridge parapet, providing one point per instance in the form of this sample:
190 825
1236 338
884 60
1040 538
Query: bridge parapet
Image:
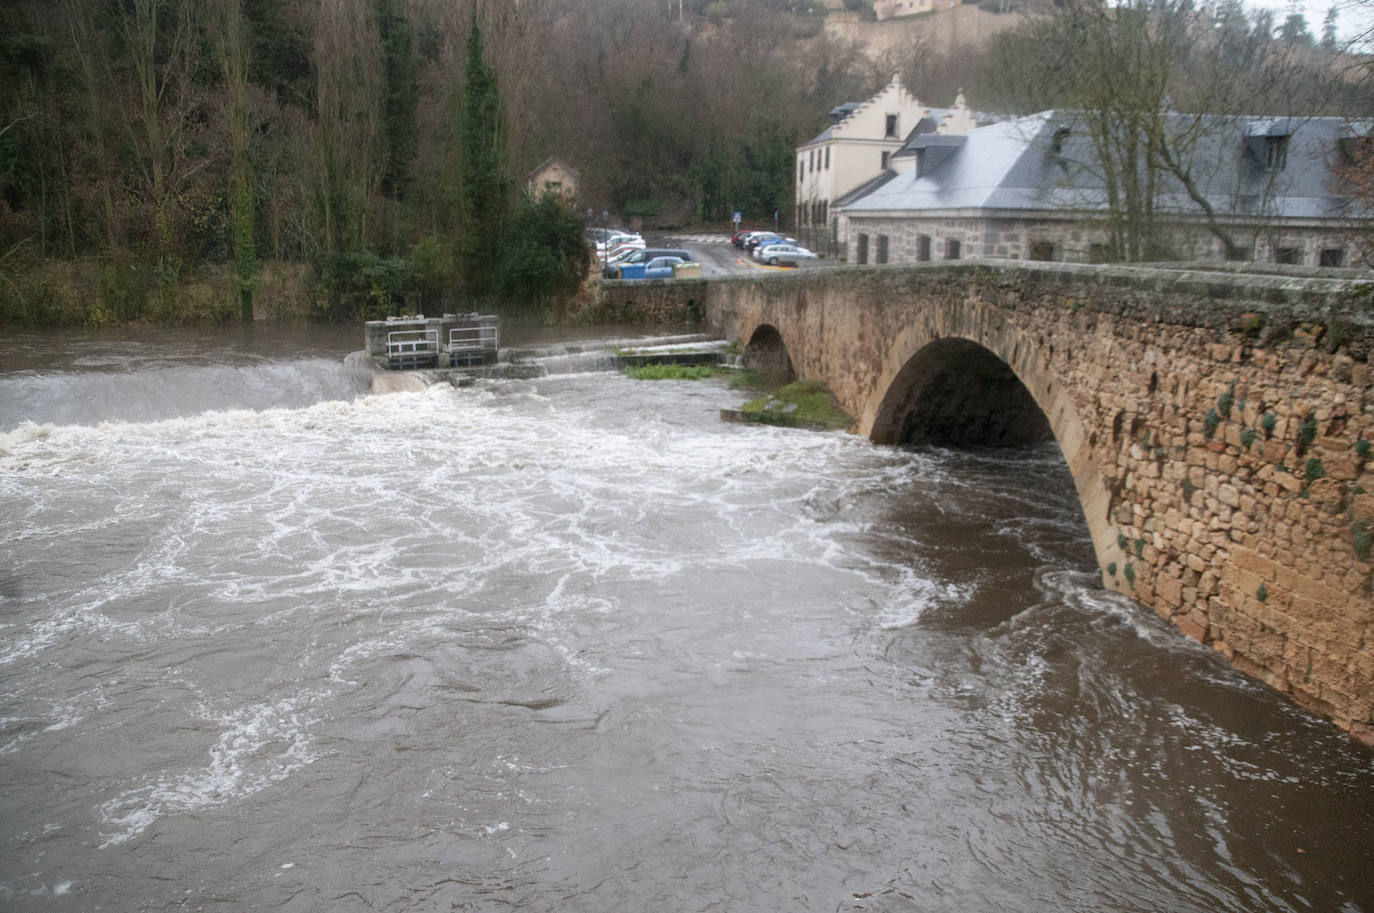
1218 426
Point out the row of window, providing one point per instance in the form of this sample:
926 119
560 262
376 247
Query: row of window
954 250
818 161
1327 256
815 213
1097 253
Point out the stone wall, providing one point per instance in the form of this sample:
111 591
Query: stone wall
1071 240
1218 428
657 302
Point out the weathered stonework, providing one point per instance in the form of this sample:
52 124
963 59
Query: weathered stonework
1014 236
1218 427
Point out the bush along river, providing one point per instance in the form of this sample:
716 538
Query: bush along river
573 643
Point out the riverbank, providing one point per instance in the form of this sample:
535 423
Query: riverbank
118 288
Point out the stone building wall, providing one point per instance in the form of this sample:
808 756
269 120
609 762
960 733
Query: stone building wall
1072 241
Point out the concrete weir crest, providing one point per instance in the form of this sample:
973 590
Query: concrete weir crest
1218 425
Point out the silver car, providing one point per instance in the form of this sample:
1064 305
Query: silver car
775 254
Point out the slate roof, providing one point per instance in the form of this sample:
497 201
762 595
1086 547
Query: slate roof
925 125
1046 161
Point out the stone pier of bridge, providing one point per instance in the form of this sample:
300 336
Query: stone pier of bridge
1218 425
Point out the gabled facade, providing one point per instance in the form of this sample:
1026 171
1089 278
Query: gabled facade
1030 189
554 175
857 149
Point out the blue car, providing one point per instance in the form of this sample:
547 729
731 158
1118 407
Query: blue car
657 268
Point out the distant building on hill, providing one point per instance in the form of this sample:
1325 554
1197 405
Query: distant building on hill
892 9
555 176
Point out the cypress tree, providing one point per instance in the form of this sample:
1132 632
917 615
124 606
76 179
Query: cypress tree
484 185
401 95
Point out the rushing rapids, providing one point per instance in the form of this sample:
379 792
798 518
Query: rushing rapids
574 644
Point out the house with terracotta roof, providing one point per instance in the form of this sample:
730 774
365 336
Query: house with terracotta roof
1031 189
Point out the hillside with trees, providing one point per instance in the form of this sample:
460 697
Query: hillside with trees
212 159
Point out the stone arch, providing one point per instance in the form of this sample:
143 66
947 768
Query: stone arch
956 392
766 352
1020 400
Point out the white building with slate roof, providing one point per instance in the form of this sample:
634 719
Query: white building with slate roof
1029 189
855 150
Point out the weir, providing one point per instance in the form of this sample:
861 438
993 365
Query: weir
414 341
390 374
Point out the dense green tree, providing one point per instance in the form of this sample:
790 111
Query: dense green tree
401 95
484 184
545 257
229 29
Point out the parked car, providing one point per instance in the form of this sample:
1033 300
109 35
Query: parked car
751 235
624 243
742 239
774 254
657 268
637 257
607 240
763 238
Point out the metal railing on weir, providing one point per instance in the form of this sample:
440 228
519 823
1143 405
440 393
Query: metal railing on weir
412 348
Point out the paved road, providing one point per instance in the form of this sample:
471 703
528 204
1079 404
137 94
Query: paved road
721 258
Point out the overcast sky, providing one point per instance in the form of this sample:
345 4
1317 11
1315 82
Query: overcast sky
1352 18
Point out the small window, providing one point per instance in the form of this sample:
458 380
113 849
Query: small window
861 255
923 248
1287 255
1239 254
1353 148
891 126
880 255
953 249
1097 253
827 158
801 170
1276 152
1041 250
885 156
1331 256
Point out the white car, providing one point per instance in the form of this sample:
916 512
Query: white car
609 242
774 254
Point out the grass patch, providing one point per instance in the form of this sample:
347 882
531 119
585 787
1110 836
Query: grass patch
671 372
804 404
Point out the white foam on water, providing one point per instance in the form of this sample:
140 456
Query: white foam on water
169 390
259 746
913 595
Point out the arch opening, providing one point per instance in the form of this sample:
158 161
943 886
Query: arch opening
956 393
767 354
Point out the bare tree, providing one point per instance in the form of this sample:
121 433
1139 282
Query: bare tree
349 149
227 26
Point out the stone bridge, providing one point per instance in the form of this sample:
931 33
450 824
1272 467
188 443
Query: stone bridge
1218 425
